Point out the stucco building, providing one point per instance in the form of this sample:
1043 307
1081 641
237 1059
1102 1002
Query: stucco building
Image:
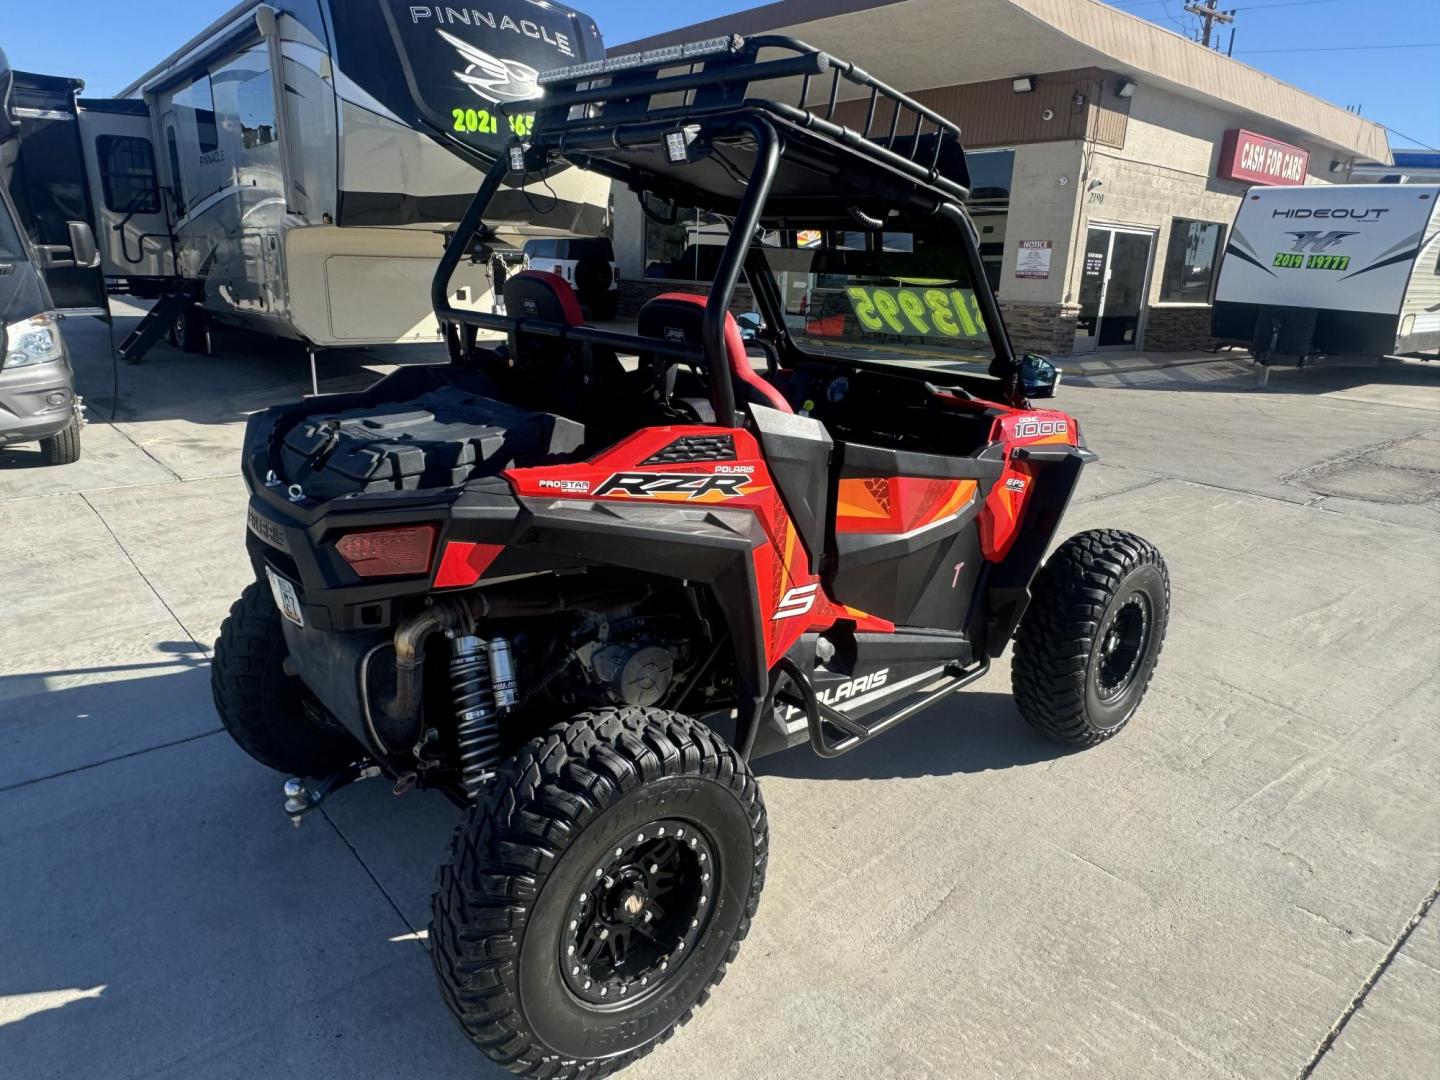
1108 155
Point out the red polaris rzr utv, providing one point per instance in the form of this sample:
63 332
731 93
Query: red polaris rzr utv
580 580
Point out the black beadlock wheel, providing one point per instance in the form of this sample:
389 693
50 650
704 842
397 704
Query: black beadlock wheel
270 714
1088 643
598 891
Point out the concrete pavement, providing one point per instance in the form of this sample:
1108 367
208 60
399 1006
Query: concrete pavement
1230 888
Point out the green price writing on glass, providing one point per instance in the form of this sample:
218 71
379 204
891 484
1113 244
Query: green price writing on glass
927 312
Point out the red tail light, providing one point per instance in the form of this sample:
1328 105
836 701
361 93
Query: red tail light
386 552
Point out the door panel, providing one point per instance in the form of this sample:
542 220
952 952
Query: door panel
131 211
907 547
48 183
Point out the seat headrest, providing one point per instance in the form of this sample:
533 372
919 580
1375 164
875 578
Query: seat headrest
539 294
680 317
677 317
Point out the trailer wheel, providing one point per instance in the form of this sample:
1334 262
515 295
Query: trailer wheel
62 448
269 713
1088 643
596 893
191 332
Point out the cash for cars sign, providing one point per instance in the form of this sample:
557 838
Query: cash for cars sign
1255 159
1033 259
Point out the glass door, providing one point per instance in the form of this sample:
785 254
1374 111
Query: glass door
1114 278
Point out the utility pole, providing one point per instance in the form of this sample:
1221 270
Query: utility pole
1209 15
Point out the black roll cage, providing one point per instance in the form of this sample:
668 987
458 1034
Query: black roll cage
591 126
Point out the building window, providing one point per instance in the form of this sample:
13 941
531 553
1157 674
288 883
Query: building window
1190 260
687 250
127 174
991 174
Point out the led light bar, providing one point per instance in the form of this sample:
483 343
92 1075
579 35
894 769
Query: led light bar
669 54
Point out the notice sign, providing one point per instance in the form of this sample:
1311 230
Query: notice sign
1033 259
1257 160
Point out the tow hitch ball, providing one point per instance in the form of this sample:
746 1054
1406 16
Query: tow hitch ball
302 797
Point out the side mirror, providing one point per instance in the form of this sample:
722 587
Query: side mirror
751 325
81 252
1038 376
83 249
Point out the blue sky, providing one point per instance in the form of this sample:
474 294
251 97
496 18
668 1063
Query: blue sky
109 42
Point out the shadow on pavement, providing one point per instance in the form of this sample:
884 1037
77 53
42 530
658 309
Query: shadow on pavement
973 732
160 917
22 456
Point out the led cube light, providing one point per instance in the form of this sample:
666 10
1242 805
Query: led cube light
677 147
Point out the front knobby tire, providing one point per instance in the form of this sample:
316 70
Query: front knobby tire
62 448
269 713
1090 638
598 891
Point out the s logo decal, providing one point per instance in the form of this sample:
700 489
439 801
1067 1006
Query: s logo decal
798 601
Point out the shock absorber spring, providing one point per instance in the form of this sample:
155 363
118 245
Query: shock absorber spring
482 677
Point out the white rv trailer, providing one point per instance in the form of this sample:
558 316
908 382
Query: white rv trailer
294 168
1340 270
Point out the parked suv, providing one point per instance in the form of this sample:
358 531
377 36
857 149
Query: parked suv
37 385
587 263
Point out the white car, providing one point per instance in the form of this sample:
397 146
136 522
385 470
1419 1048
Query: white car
587 263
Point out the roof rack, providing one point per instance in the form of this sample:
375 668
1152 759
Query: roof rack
757 159
899 131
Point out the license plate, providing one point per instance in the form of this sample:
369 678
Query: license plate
286 598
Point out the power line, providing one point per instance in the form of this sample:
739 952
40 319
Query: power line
1343 48
1423 145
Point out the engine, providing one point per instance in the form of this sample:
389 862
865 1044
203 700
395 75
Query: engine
629 659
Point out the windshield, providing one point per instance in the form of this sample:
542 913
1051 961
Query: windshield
11 249
894 296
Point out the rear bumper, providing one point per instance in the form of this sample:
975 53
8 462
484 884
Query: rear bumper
296 536
36 402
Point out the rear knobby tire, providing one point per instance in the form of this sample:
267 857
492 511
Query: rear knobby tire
62 448
1088 643
548 859
270 714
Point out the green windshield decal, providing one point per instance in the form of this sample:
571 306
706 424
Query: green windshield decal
950 313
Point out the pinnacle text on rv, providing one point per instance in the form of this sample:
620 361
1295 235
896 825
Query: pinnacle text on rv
474 17
1374 213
